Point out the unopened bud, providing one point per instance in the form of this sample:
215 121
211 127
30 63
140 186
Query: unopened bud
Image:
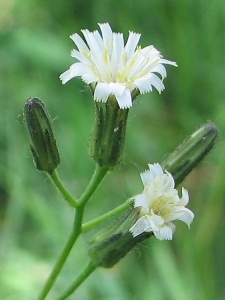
42 140
193 149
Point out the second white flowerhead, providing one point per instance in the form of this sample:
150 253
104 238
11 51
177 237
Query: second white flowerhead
160 204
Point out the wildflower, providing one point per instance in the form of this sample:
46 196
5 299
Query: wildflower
160 204
111 67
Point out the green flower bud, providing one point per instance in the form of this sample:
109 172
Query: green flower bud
193 149
42 141
108 136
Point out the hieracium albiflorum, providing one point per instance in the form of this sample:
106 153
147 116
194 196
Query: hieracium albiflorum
117 72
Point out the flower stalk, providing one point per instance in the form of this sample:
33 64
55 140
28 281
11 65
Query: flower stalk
88 269
97 177
107 216
59 185
63 256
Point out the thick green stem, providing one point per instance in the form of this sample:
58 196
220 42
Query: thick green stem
112 213
89 268
67 196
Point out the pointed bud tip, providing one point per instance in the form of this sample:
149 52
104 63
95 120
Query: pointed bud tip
191 151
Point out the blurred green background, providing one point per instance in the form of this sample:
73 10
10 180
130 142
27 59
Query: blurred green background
35 221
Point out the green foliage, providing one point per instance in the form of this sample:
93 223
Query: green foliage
35 221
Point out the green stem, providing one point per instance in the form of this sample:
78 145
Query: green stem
93 184
62 258
112 213
88 269
58 183
80 204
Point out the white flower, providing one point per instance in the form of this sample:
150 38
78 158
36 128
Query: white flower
160 204
116 69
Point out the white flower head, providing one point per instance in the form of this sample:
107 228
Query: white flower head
160 204
116 68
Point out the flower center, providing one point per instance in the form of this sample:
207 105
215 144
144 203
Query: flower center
160 207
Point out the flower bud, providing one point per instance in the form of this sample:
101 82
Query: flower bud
193 149
108 136
42 140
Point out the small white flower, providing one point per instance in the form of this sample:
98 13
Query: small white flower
114 67
160 204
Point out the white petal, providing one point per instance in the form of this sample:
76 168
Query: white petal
168 182
102 92
131 44
124 100
155 169
156 82
82 47
117 51
106 32
89 77
165 232
66 76
143 85
155 221
79 56
159 68
150 51
140 226
135 66
146 177
116 89
141 200
185 197
168 62
77 69
93 39
185 215
96 53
